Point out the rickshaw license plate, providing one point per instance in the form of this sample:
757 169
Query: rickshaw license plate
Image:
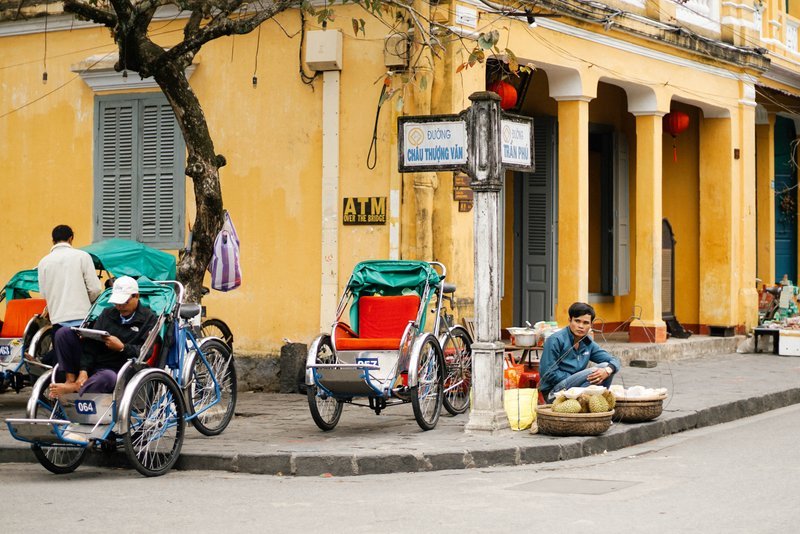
5 353
85 407
367 361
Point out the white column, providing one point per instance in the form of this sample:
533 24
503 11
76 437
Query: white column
485 170
330 199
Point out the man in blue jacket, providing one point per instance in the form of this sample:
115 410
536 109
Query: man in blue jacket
568 352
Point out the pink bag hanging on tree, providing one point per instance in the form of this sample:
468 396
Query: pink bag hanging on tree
226 274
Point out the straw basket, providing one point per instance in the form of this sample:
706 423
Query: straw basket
638 410
572 424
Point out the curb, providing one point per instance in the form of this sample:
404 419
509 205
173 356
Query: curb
545 449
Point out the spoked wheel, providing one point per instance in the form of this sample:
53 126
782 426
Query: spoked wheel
457 348
426 395
155 425
217 328
214 407
58 459
325 410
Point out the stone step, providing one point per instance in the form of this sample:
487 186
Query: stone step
674 349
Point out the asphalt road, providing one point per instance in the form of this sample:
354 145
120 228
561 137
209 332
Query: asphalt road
737 477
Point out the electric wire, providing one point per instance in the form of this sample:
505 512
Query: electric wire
373 145
45 95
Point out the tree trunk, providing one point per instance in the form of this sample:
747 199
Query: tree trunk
202 167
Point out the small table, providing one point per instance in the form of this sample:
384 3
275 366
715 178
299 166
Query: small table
774 333
526 353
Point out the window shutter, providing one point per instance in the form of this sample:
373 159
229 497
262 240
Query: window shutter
114 199
622 264
139 178
159 217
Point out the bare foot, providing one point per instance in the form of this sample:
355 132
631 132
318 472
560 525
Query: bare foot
58 389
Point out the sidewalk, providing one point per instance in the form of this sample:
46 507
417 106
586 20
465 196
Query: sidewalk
274 433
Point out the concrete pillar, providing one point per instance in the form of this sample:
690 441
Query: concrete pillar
425 185
486 173
719 260
765 194
745 163
420 103
573 203
647 266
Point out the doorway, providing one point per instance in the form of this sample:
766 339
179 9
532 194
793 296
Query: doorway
536 229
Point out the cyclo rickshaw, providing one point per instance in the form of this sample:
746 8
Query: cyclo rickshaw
26 334
384 354
175 378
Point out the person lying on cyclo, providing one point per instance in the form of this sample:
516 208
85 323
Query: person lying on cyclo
90 365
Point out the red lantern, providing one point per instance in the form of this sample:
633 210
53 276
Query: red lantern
506 92
675 123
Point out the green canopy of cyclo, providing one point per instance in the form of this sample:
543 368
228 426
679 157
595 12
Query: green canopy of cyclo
390 277
123 257
160 298
21 284
119 257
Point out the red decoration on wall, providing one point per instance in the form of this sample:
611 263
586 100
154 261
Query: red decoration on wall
675 123
506 92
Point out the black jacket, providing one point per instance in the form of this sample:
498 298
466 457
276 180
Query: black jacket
97 356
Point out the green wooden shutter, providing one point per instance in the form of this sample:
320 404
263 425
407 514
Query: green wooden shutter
159 216
139 179
114 209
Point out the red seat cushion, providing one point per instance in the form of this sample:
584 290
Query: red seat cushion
152 361
381 323
386 317
355 343
18 313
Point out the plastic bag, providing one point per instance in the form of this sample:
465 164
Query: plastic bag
520 406
511 373
226 273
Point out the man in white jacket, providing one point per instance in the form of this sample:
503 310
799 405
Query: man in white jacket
67 280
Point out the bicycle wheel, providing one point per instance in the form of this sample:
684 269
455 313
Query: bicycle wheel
457 347
426 395
58 459
217 328
155 424
214 407
325 410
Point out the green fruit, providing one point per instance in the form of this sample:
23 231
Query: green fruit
568 406
583 399
597 404
610 398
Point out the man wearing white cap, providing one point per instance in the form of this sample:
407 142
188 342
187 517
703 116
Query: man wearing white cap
92 365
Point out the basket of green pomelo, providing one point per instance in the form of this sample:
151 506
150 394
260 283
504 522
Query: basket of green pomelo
586 412
638 404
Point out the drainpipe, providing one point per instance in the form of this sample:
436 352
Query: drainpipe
324 53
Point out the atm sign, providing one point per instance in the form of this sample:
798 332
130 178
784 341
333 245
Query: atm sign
364 210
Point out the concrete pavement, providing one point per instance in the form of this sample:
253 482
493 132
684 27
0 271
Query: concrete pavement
274 433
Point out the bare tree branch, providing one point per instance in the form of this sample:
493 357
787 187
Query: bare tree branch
193 25
222 27
90 13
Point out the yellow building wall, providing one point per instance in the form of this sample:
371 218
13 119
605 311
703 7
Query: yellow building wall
681 193
270 135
